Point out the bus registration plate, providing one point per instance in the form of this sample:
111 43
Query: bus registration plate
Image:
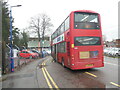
89 65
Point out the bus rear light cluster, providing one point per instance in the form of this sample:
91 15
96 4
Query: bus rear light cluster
72 57
72 45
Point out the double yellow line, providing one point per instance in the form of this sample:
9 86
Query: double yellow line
48 77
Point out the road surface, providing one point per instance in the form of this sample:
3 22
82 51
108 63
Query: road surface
45 73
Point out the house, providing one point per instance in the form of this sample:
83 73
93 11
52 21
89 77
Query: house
117 43
114 43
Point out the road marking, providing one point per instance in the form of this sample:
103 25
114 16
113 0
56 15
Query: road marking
51 79
48 77
47 80
110 63
91 74
115 84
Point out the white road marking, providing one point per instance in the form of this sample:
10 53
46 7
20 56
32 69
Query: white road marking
111 63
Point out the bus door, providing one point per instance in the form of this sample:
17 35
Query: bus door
68 52
55 52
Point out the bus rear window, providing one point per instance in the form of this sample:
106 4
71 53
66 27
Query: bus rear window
87 41
86 21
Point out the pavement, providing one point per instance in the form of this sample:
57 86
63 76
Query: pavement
18 64
3 77
24 77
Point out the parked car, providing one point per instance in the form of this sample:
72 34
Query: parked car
115 52
106 50
109 53
28 54
48 51
38 52
112 51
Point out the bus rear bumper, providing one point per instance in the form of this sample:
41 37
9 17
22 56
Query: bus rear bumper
86 65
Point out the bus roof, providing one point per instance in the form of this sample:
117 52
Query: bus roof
88 11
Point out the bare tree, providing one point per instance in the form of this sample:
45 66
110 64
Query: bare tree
40 24
35 25
45 24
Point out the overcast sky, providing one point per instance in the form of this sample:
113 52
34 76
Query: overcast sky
58 10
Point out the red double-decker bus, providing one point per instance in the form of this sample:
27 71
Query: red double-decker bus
77 42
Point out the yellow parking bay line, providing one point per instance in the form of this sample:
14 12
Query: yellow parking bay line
115 84
91 74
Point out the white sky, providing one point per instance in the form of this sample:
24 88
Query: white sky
58 10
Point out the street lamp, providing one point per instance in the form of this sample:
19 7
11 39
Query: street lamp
11 47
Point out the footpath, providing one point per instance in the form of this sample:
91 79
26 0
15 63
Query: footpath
23 76
18 64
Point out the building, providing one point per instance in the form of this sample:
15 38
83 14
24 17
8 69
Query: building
117 43
114 43
34 43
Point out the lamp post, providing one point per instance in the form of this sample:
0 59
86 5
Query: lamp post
11 47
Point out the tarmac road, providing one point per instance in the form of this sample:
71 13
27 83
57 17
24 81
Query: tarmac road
45 73
105 77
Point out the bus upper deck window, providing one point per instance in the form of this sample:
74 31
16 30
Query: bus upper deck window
86 21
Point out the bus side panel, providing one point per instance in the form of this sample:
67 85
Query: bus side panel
63 56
